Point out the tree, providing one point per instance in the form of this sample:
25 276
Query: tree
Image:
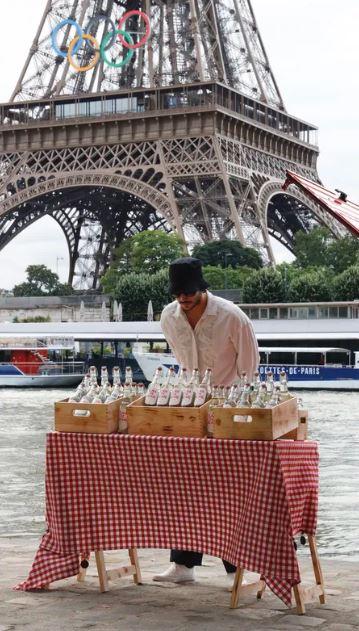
314 285
319 248
41 281
227 253
134 291
150 251
218 278
265 285
346 284
311 249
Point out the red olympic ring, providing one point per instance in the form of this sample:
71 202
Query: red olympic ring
124 19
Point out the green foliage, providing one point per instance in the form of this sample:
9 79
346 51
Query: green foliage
319 248
150 251
218 278
214 254
41 281
134 291
33 319
314 285
265 285
346 284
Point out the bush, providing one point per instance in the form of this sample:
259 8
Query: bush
311 286
265 285
346 284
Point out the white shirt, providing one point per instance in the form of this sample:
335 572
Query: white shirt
223 340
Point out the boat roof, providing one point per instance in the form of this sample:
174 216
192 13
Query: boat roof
337 205
302 349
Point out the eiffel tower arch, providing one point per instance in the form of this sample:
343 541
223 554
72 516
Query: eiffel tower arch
191 135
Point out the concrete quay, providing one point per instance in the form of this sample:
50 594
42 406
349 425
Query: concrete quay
70 605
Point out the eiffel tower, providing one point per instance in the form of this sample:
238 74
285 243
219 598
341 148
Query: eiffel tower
190 135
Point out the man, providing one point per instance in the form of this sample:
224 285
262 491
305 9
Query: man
204 331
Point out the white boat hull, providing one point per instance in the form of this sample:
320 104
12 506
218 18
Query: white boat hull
39 381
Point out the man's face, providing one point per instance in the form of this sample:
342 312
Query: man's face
189 301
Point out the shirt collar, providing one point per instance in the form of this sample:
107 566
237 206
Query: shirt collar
210 310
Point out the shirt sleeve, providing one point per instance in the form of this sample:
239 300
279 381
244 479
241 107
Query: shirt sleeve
245 342
168 331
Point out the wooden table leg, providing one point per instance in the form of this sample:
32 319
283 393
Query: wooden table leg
236 587
101 569
299 600
134 560
316 566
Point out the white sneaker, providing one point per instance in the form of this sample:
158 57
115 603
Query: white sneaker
176 574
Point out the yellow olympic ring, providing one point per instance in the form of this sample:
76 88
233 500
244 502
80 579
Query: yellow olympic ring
72 46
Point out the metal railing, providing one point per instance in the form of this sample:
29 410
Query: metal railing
47 367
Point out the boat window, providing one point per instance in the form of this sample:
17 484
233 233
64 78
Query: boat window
263 314
263 357
337 359
283 313
310 358
333 312
343 312
5 356
254 313
312 313
281 357
323 312
273 313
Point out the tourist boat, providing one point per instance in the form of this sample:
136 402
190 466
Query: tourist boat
45 363
312 368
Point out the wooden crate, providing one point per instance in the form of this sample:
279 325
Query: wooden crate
256 423
91 418
301 431
167 421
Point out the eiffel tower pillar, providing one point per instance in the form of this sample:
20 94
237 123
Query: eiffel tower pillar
190 135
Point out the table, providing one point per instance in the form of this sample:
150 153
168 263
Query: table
239 500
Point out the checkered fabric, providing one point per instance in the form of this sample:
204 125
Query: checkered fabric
242 501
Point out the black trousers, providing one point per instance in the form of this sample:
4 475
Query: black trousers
190 559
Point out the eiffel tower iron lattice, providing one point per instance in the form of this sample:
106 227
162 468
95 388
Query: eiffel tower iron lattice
191 135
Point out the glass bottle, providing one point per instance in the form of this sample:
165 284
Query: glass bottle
154 388
261 400
93 375
165 390
116 375
269 384
203 391
245 400
231 400
189 389
215 402
177 390
275 398
283 385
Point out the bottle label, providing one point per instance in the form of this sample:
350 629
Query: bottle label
175 398
201 396
187 397
163 396
123 425
151 396
210 423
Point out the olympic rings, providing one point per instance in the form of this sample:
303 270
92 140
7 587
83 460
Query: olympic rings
129 53
108 40
144 39
71 50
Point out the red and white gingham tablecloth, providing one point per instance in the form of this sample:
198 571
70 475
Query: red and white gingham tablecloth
238 500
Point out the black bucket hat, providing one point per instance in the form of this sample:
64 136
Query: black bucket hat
185 276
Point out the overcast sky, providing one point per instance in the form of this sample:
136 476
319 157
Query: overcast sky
313 50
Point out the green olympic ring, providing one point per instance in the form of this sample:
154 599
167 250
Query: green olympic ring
130 53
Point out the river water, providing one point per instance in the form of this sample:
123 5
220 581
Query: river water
27 415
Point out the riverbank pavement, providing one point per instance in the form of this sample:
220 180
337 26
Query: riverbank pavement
203 606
